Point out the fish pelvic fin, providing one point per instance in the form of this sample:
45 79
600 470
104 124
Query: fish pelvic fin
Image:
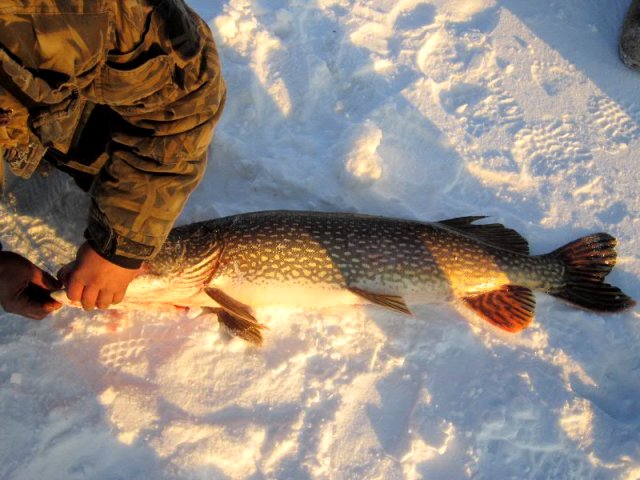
237 317
588 261
510 308
392 302
239 327
494 234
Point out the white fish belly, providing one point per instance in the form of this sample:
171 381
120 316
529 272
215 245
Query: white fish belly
300 294
319 295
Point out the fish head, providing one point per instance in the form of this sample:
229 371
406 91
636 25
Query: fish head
60 296
189 248
179 272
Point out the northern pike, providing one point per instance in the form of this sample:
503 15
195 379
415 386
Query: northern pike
231 265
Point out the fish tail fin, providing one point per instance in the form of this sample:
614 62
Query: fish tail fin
588 261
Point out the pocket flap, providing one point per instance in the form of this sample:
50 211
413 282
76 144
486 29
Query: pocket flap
121 87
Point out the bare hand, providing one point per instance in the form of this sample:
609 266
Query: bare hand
94 281
25 289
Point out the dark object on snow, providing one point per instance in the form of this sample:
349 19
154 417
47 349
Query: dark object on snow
630 37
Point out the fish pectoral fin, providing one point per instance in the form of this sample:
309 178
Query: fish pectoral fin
392 302
236 316
494 233
510 308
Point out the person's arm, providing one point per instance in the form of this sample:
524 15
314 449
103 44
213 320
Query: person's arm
157 158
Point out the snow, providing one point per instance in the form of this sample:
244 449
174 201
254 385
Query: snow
423 109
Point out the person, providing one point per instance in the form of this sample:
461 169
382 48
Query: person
124 96
629 43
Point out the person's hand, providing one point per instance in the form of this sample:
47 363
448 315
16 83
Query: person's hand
25 288
94 281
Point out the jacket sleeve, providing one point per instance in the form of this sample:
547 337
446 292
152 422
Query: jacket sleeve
167 93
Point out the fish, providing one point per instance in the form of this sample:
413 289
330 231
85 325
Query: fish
232 265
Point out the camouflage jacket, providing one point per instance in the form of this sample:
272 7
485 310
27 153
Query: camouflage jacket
151 66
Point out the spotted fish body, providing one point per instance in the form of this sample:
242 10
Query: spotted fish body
314 259
268 256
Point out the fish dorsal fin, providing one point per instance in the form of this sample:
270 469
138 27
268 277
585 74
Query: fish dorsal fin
392 302
236 316
493 233
510 308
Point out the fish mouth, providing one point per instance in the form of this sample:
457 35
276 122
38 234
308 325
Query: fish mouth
60 296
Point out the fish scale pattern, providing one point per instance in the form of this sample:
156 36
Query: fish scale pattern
349 250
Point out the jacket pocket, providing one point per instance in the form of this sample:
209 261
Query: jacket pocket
140 77
121 86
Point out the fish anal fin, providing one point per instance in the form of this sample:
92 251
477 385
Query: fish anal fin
494 234
392 302
510 308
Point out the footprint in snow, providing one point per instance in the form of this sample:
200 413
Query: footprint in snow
551 148
553 79
617 125
118 354
481 108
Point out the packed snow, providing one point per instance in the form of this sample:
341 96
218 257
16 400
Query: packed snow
422 109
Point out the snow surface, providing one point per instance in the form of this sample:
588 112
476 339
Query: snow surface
422 109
